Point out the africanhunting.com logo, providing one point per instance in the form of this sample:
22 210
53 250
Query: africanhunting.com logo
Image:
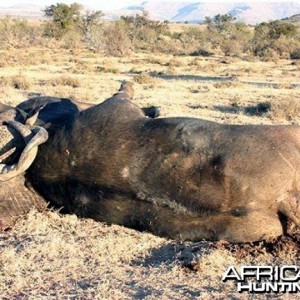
265 279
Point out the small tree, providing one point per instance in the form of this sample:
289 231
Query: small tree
227 35
220 23
90 26
142 31
64 17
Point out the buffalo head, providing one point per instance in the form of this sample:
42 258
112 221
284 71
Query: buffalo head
19 143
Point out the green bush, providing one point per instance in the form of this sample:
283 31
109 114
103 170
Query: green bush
276 36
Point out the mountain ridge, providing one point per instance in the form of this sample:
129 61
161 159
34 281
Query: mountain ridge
248 12
193 12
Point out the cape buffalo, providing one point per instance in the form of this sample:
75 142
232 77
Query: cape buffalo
182 178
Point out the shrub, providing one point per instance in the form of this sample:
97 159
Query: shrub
226 35
275 36
142 31
18 33
102 69
64 17
143 78
65 80
174 63
72 40
288 109
116 41
18 82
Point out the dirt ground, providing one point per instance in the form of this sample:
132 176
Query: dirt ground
50 256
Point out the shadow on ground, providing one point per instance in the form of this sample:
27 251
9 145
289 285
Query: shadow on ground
220 79
172 252
260 109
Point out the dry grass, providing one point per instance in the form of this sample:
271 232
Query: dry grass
288 110
65 81
143 78
19 82
49 256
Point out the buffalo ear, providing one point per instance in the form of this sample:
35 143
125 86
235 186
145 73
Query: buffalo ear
30 120
32 116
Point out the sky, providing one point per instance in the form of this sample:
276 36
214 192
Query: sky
114 4
97 4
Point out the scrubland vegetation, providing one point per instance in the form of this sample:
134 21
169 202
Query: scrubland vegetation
221 71
69 27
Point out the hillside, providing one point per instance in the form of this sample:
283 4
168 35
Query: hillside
293 19
248 12
193 12
23 10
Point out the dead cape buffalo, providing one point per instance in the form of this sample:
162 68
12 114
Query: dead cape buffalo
182 178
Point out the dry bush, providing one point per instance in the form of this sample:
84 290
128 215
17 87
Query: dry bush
135 70
107 66
18 33
116 41
287 48
174 63
82 67
269 54
143 78
19 82
154 61
288 109
72 40
195 62
65 81
103 69
203 88
171 71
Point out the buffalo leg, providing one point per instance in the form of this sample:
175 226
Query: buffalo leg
161 221
165 222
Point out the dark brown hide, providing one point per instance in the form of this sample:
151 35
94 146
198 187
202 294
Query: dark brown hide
182 178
